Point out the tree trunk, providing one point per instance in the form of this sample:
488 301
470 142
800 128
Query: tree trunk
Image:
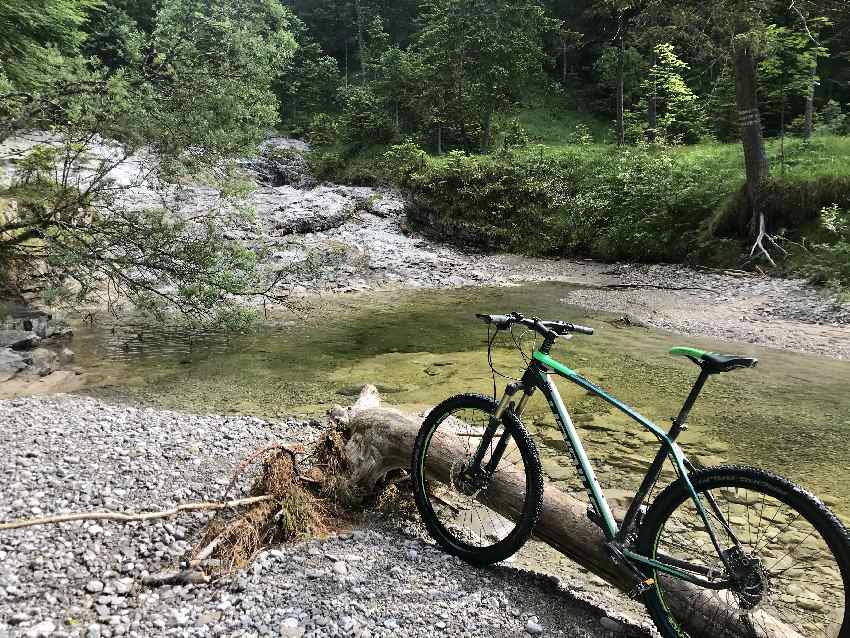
487 132
563 61
346 64
749 123
439 139
380 441
782 130
621 71
360 44
808 126
652 104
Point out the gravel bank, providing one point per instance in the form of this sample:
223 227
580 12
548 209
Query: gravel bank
70 453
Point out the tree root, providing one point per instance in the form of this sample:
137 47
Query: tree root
281 506
758 245
292 512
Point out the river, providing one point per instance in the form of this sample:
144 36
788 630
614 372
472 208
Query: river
791 414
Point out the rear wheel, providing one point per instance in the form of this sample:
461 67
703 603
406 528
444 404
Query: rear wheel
482 518
791 563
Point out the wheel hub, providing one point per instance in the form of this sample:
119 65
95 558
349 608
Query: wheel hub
749 578
467 482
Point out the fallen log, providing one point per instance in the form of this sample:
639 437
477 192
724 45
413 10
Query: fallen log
379 441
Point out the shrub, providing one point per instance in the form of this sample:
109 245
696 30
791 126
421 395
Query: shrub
325 165
364 118
625 205
323 130
401 161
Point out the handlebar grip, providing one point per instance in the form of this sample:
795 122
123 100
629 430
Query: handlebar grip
584 330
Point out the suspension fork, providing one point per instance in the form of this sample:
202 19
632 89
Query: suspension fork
496 420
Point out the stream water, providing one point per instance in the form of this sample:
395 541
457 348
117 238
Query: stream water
791 414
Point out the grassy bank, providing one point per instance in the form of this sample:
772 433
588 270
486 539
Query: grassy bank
560 190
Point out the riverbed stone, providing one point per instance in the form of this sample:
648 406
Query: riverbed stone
11 363
18 339
42 361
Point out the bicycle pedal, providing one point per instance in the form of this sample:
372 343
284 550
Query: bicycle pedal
641 588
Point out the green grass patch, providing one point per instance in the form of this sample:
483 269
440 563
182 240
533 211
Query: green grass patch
555 186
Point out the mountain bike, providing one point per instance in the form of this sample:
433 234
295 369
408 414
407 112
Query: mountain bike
731 538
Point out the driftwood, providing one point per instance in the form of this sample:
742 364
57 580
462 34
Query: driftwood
380 441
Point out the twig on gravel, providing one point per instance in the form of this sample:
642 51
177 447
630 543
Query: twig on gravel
127 517
182 577
207 551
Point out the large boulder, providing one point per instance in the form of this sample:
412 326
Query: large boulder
41 361
282 167
285 210
18 339
11 363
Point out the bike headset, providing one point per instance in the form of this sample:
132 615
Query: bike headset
549 330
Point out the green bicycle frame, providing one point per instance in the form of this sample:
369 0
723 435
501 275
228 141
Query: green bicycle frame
538 376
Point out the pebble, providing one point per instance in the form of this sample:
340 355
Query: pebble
42 629
291 627
533 627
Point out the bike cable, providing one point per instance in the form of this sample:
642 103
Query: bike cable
491 338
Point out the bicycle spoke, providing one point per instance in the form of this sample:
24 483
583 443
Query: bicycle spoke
464 508
778 550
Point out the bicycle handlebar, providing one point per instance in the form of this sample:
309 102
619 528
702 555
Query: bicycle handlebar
544 328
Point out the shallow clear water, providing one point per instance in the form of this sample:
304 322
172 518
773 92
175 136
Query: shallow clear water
791 414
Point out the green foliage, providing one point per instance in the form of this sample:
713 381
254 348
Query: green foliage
826 260
681 117
403 160
36 34
786 69
516 136
323 130
477 59
363 116
832 120
193 92
113 28
38 165
325 165
309 82
635 205
581 135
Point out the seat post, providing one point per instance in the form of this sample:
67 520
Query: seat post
680 422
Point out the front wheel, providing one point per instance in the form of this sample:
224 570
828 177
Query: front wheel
482 517
789 558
